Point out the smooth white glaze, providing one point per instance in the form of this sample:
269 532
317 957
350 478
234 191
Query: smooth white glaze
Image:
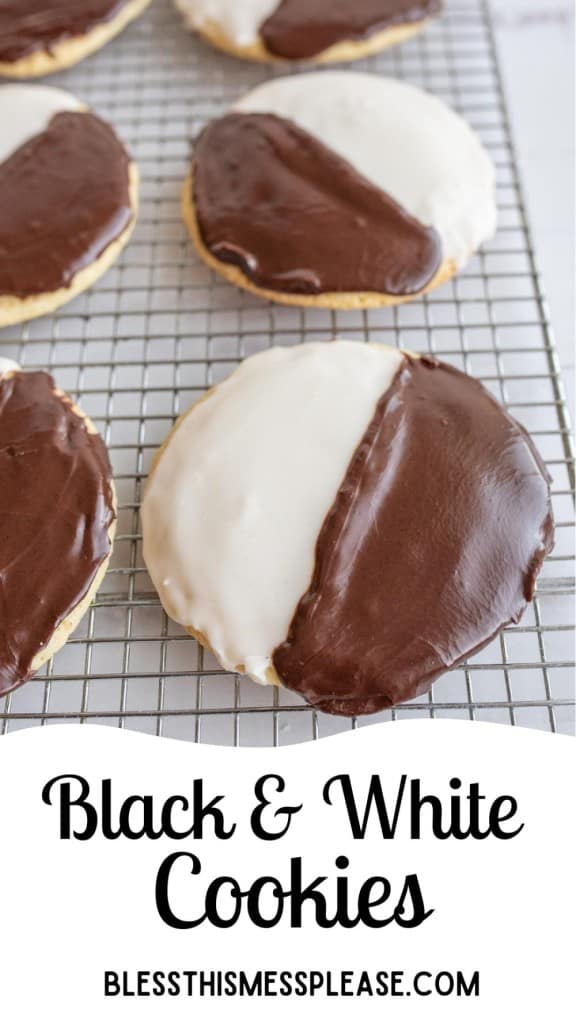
239 20
26 111
404 140
7 364
233 509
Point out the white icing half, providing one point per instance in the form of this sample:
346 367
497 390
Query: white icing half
404 140
239 20
235 504
7 364
26 111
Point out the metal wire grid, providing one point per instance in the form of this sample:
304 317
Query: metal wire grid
159 329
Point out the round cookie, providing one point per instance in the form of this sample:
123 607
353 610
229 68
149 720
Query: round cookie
321 31
38 37
340 190
57 520
68 200
347 520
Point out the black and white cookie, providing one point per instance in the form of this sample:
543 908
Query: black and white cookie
57 520
347 520
340 190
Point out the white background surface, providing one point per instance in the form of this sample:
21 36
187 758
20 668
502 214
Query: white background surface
536 42
90 905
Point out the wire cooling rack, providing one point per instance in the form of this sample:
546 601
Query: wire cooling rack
159 329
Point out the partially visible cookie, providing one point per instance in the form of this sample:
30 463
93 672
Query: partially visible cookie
347 520
57 520
322 31
68 200
340 190
38 37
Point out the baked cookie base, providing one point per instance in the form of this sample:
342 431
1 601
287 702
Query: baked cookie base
14 310
69 624
345 51
70 51
325 300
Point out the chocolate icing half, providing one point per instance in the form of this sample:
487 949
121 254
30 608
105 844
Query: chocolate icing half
27 26
64 197
56 508
301 29
295 217
432 545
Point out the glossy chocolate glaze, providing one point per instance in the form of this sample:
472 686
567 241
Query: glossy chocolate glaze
301 29
64 197
27 26
432 545
56 508
295 217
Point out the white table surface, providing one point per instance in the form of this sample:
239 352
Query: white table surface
536 43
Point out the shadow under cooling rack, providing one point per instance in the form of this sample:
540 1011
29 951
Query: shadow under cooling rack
159 329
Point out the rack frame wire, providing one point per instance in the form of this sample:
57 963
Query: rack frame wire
159 329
